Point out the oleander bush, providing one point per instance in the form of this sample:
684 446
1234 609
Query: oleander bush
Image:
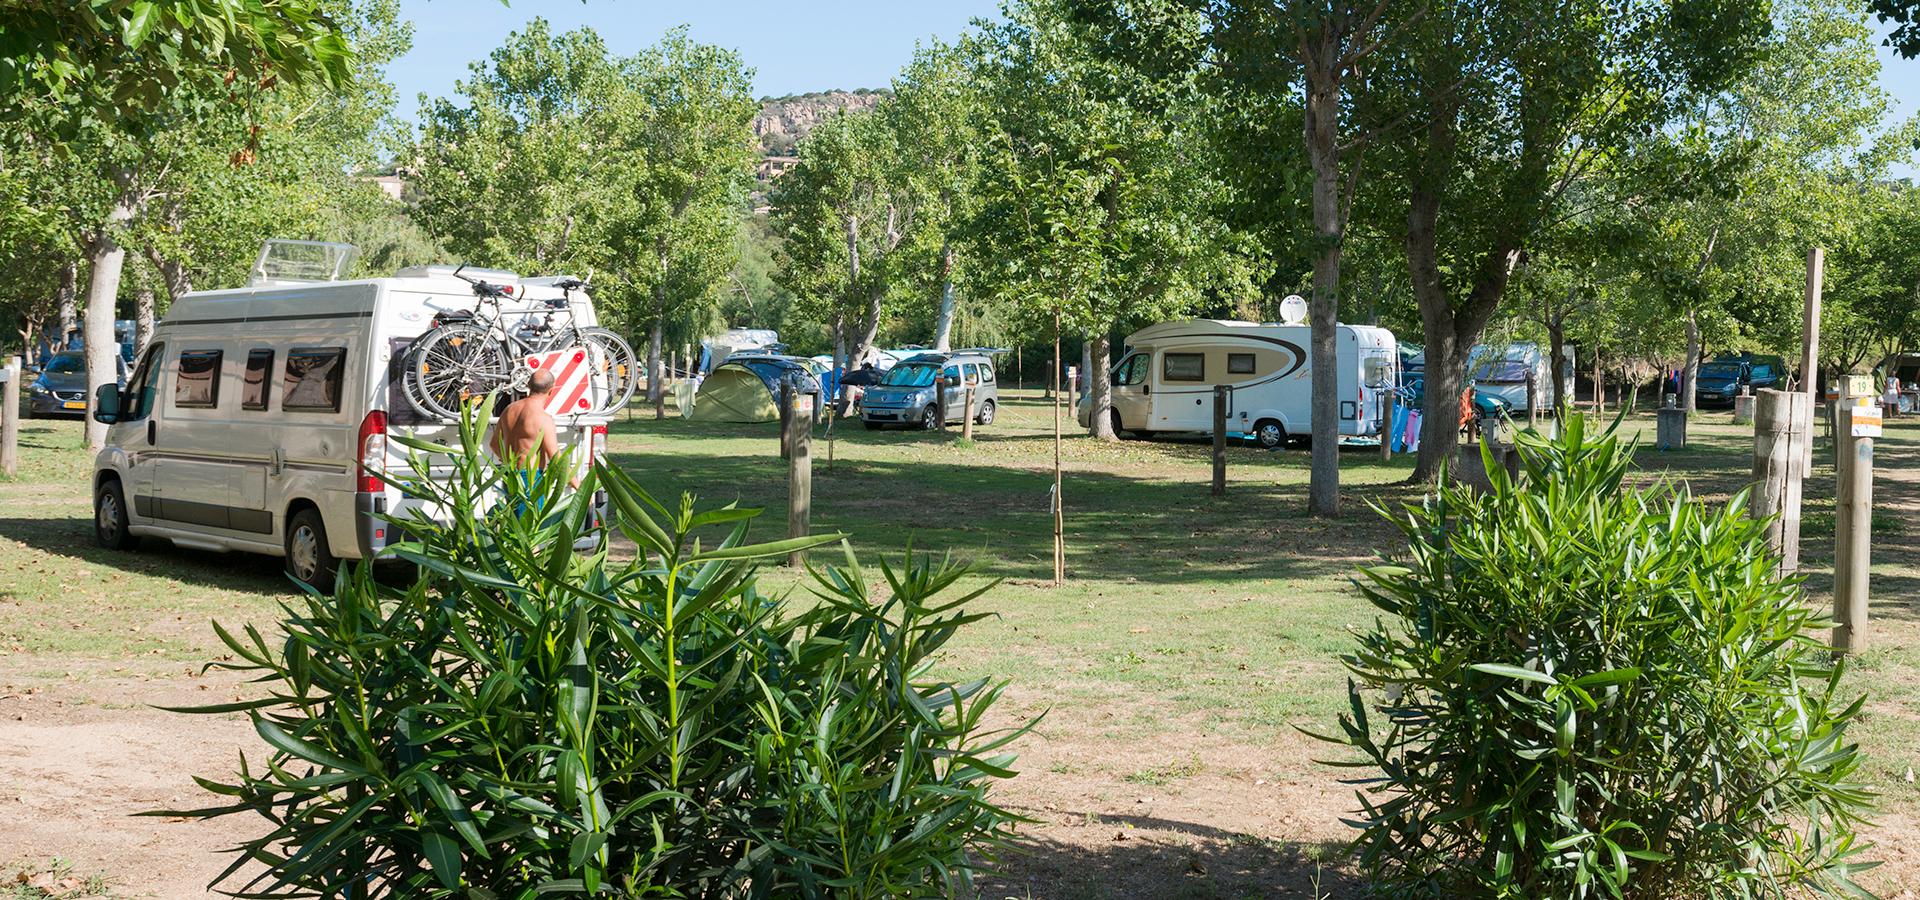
1586 689
522 719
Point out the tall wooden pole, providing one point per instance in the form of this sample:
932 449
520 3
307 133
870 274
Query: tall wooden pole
1389 398
966 415
1219 440
1810 343
1059 500
1855 427
10 417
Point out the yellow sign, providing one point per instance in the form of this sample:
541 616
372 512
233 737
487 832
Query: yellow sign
1866 421
1860 385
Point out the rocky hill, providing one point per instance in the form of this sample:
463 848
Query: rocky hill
784 121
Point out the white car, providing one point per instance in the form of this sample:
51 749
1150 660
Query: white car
256 418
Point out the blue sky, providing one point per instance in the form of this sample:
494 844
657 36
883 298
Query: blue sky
793 46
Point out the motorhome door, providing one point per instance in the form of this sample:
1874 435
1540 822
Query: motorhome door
1132 397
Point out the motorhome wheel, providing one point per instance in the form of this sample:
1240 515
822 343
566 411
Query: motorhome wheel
309 560
1271 435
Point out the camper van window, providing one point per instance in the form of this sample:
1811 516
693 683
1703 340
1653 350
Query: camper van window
313 379
1378 372
196 383
1132 370
1183 367
137 396
253 391
1239 364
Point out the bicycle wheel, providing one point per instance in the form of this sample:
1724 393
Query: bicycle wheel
452 364
615 373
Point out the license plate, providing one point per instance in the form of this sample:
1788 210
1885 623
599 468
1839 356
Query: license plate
74 404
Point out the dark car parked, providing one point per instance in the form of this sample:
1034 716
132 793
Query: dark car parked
1720 380
61 388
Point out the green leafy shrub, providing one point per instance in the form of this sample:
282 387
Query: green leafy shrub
1593 690
522 719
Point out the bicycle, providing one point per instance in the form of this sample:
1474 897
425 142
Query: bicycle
472 353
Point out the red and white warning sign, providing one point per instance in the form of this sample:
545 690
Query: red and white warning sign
572 380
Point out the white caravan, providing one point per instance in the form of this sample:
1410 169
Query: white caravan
1503 369
256 417
1165 381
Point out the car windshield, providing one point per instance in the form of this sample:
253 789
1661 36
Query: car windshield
68 364
911 375
1500 370
1720 370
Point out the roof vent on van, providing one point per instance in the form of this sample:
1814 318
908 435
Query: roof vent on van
283 261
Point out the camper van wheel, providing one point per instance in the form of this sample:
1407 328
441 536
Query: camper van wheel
309 560
1271 435
930 418
985 416
110 517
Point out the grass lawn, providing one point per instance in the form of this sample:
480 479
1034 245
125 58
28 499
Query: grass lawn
1193 634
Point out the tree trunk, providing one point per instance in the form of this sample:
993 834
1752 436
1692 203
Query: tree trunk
68 296
1599 386
655 375
106 258
943 325
1100 388
1323 152
1690 373
870 328
837 332
143 316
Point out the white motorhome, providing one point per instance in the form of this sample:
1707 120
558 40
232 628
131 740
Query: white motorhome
1165 381
1503 370
256 418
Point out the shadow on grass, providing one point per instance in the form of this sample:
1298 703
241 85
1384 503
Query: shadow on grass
72 538
1145 858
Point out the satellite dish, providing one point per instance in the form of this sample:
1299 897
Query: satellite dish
1293 310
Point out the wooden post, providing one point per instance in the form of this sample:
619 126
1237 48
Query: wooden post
1533 401
799 431
940 402
1059 501
1392 398
1219 440
1855 428
10 417
1780 429
786 419
1810 342
966 415
1019 370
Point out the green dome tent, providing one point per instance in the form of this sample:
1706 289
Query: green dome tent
749 390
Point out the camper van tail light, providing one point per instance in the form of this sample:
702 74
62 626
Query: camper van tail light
598 441
373 451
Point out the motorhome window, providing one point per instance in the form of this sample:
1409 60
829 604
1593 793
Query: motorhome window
1132 370
253 391
313 379
1378 372
1239 364
196 382
1183 367
138 394
919 375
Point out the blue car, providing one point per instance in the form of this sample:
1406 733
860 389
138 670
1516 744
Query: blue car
1720 380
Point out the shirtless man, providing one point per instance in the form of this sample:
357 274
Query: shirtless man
524 438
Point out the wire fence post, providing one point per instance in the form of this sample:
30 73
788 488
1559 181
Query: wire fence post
1780 435
1857 424
1220 440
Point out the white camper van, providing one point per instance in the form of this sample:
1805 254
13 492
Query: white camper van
255 418
1503 370
1165 382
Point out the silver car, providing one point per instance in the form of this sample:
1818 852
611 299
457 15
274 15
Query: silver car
906 395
